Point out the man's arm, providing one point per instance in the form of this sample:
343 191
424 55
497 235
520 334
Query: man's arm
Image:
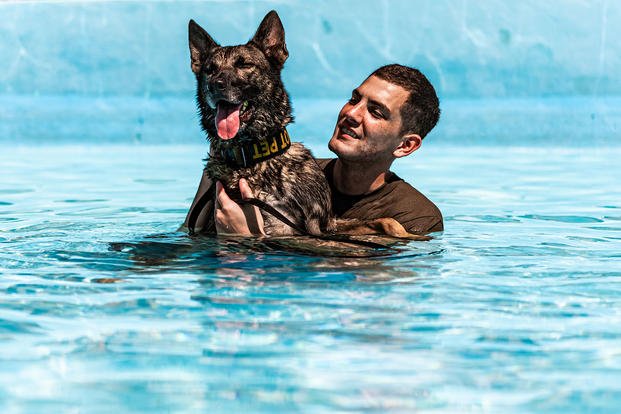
232 218
421 224
226 216
415 211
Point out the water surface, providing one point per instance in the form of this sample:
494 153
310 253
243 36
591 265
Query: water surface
514 308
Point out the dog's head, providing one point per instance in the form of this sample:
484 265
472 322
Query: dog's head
239 90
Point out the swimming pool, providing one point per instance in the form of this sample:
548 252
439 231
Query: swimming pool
514 308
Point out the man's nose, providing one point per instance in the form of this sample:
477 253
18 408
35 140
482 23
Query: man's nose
353 114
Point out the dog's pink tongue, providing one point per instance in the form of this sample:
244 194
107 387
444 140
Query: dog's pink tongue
227 120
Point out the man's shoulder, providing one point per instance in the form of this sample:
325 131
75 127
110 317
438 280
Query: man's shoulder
412 208
407 191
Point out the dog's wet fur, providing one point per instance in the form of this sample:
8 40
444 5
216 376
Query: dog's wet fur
292 182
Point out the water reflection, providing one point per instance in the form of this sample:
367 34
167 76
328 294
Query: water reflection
274 259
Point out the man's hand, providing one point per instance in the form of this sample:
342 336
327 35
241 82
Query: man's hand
231 218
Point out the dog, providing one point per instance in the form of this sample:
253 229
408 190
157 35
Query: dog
244 110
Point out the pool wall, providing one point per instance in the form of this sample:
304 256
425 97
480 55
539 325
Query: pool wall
506 72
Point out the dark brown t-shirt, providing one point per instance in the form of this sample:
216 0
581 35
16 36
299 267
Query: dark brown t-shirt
396 199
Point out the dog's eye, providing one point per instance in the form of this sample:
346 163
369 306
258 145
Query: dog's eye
243 64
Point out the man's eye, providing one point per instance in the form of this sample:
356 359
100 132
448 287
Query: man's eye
353 100
377 113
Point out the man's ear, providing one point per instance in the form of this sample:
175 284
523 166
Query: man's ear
409 144
201 45
270 38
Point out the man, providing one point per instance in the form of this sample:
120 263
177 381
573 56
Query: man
386 118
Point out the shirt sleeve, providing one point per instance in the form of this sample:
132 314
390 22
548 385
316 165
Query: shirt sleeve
414 211
421 224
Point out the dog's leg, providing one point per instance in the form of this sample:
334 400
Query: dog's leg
386 226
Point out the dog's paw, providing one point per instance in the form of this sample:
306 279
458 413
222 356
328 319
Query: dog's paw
418 237
393 228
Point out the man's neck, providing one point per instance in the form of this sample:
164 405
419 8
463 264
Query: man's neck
358 178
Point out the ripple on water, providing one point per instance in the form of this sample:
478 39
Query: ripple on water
133 210
605 228
16 190
99 261
486 219
563 219
85 200
18 327
588 239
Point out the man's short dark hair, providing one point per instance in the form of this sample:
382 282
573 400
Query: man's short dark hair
421 111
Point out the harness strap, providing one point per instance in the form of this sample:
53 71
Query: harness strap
272 211
210 194
328 237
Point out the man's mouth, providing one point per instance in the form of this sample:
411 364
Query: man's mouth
349 132
229 116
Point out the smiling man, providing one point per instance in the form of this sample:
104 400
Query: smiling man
386 118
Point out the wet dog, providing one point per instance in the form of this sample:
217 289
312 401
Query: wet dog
244 110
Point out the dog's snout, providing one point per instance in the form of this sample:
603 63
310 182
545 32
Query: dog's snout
224 81
225 86
219 88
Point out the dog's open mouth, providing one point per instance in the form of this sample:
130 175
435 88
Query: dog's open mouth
229 117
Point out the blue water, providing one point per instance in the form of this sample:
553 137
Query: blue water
515 308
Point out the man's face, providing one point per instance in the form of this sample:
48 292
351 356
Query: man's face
369 125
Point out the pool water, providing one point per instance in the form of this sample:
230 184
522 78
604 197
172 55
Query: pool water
104 307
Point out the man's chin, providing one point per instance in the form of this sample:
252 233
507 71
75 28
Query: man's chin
342 147
350 152
346 154
335 148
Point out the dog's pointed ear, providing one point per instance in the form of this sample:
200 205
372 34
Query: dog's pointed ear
270 38
201 45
